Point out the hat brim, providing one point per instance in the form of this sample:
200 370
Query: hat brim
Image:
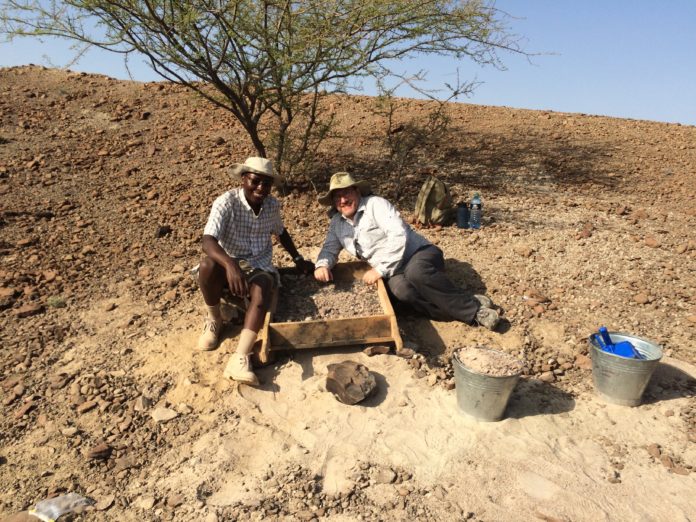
239 168
364 187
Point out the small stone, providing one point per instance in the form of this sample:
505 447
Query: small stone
175 500
654 450
24 409
109 307
641 298
406 353
669 413
583 362
162 230
86 406
142 403
667 461
652 242
163 414
524 251
680 470
146 503
385 476
122 463
547 377
28 310
432 379
101 451
70 431
376 350
104 503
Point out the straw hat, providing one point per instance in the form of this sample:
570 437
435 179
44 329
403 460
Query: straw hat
343 180
256 165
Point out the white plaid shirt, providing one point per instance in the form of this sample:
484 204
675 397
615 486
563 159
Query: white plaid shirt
378 235
243 234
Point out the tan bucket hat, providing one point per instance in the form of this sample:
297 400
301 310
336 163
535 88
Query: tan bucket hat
343 180
257 165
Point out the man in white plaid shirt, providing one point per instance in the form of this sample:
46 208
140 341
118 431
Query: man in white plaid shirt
238 254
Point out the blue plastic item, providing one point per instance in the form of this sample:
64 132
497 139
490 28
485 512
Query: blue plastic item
622 348
475 210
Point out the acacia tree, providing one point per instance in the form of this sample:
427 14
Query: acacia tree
270 62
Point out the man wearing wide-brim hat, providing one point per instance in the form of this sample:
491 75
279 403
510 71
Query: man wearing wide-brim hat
370 228
238 254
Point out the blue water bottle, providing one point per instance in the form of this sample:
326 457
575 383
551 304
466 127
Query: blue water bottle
475 210
462 215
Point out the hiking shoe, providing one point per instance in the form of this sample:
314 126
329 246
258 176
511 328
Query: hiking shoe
484 301
239 369
209 338
487 317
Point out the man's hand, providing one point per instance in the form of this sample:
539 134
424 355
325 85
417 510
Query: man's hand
235 279
305 267
323 274
371 277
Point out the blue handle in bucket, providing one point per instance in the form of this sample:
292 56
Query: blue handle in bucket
622 348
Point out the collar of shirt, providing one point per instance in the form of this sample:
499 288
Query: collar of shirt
358 213
245 203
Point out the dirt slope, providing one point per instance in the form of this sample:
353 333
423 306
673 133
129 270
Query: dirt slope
105 186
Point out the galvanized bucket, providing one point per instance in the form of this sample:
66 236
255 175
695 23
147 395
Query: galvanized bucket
620 380
481 396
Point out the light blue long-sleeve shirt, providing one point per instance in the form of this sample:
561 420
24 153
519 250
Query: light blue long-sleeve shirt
377 234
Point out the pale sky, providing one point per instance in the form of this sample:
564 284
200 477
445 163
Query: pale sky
629 59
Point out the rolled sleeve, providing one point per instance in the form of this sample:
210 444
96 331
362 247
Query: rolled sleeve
331 248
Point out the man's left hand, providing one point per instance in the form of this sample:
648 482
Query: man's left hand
371 277
305 267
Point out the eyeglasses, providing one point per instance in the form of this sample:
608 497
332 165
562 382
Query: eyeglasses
256 181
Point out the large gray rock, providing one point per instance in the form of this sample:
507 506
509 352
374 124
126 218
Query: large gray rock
350 382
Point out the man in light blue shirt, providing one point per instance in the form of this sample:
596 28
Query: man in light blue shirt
370 228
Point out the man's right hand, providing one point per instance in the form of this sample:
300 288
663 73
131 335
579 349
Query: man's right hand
235 279
323 274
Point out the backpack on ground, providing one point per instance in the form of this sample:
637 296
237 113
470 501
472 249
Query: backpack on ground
434 204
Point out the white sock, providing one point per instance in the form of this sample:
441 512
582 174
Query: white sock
247 338
214 312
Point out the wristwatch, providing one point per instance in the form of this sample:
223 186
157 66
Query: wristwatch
297 259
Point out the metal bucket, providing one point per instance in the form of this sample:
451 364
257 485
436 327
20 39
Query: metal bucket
482 396
620 380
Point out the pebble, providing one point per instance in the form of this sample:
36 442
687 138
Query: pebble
86 406
100 451
547 377
105 503
28 310
654 450
163 414
641 298
146 503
